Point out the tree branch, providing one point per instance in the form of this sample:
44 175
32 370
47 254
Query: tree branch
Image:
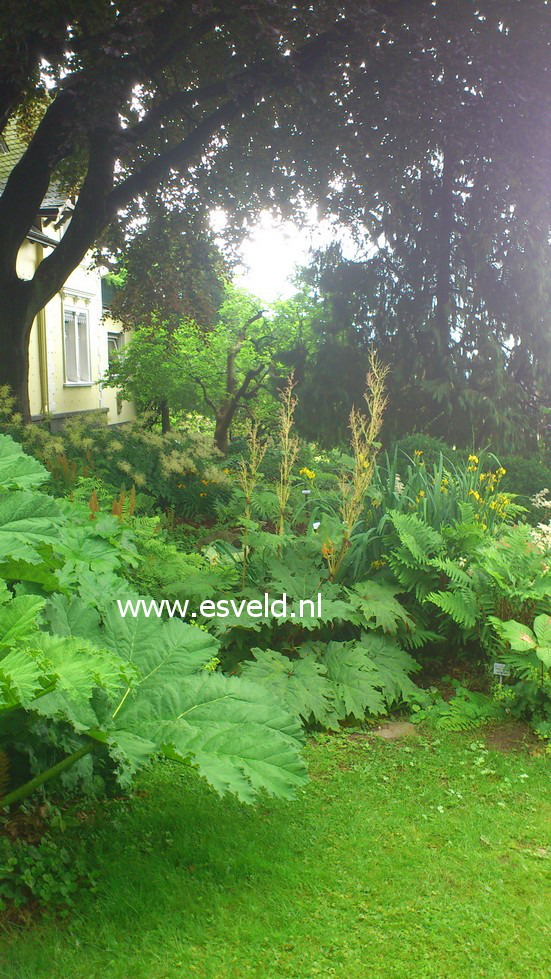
252 392
249 376
206 396
174 159
88 220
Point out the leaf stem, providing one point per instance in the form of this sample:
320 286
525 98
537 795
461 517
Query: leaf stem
25 790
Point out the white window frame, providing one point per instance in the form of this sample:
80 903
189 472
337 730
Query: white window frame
79 309
117 338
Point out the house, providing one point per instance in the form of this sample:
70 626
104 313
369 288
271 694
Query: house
73 337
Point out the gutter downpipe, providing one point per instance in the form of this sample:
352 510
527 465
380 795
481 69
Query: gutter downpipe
42 351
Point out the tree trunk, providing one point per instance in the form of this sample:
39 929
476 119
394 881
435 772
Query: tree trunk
222 430
165 417
15 328
443 270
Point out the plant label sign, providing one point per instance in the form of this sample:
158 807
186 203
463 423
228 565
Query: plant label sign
501 670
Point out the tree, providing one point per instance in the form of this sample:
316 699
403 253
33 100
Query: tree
168 271
242 105
132 94
225 369
451 283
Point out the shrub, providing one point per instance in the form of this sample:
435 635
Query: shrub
344 658
84 691
526 478
431 450
180 471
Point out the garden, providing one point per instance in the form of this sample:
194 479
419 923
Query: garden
275 653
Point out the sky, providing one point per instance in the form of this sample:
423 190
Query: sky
272 254
275 250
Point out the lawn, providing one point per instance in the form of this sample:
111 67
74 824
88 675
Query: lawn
421 857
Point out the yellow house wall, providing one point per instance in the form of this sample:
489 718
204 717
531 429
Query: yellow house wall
84 286
109 395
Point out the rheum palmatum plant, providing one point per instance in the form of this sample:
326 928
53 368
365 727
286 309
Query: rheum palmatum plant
248 474
355 482
289 449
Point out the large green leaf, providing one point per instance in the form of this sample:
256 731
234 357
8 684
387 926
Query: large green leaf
27 521
300 684
21 678
72 617
393 665
154 647
235 732
355 679
379 607
18 619
77 668
520 637
17 470
29 571
542 629
82 546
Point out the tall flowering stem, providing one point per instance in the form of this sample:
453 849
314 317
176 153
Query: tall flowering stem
289 450
355 483
248 475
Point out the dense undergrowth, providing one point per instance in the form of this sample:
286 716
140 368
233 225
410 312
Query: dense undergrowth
395 566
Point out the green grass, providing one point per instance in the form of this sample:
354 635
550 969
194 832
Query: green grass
405 859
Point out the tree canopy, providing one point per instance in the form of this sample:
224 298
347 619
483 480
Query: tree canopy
227 371
423 125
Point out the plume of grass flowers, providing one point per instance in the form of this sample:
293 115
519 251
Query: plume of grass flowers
289 449
354 483
248 474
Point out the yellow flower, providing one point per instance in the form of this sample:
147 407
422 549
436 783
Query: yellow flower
205 482
202 494
473 459
418 452
308 473
376 565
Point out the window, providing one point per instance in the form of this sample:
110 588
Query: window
77 346
114 346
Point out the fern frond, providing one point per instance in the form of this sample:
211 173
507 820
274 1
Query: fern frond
453 571
460 606
421 540
466 711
